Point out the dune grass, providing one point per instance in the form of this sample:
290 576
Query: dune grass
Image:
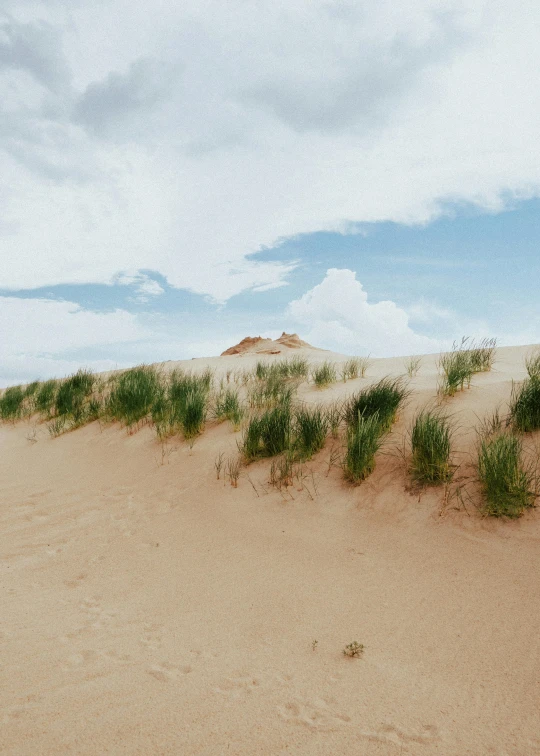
525 405
324 374
364 439
227 406
532 364
134 394
268 434
509 485
412 365
383 399
72 394
271 391
11 403
45 397
431 444
458 366
310 429
355 367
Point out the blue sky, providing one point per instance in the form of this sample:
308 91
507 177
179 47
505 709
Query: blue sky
364 174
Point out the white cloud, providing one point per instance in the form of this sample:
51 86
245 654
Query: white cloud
338 316
37 336
233 127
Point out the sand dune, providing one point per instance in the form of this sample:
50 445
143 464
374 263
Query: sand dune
149 608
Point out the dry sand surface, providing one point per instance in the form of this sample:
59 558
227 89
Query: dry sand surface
148 608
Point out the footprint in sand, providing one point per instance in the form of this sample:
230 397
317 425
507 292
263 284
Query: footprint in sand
167 672
236 687
318 714
391 734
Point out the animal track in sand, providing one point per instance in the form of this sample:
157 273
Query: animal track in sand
167 672
397 736
318 714
235 687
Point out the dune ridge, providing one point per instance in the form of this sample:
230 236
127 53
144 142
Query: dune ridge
150 607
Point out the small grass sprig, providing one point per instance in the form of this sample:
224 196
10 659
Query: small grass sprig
324 374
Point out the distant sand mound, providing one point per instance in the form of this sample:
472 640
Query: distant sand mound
258 345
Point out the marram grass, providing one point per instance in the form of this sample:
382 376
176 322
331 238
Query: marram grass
509 485
525 405
383 399
364 439
431 447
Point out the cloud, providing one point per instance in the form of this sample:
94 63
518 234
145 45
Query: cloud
184 140
338 316
144 286
38 335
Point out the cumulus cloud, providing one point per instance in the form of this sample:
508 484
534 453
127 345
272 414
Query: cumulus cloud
338 316
37 336
181 141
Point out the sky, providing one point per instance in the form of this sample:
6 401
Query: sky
176 176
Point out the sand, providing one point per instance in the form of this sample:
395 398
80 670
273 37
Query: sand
149 608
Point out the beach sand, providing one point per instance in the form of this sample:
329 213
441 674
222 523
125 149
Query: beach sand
150 608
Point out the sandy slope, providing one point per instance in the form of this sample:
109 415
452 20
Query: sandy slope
147 608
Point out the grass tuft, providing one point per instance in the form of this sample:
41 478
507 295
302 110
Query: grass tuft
525 405
311 429
72 394
45 397
11 403
412 366
431 447
227 407
324 374
532 363
383 399
354 367
364 439
269 434
134 394
509 486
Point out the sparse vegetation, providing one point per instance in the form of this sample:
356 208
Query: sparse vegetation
134 394
525 405
268 434
354 649
431 446
73 392
228 407
234 466
364 439
383 399
324 374
311 429
354 367
532 363
11 403
458 366
412 365
510 486
45 397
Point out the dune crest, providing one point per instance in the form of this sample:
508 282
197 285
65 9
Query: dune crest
258 345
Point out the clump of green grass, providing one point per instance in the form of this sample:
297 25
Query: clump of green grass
134 394
412 365
228 407
269 434
271 391
458 366
532 363
383 400
354 367
72 394
525 405
188 397
45 397
364 439
31 389
456 369
509 485
431 442
324 374
296 367
311 429
482 355
11 403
